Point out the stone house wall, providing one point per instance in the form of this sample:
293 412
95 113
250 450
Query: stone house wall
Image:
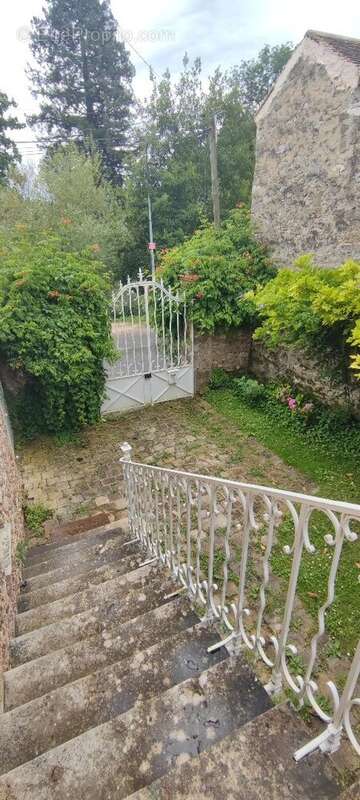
10 513
306 185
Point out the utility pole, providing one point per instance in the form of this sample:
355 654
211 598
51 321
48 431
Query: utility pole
214 171
151 242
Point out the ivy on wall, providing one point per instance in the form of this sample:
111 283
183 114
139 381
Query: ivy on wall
55 331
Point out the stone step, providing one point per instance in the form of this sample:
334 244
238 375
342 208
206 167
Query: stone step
54 718
74 552
88 535
73 604
78 583
114 642
134 749
80 626
254 763
109 552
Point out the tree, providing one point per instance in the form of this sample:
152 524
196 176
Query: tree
69 198
257 75
174 126
9 153
82 79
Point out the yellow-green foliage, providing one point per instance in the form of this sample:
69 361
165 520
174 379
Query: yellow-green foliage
309 306
354 339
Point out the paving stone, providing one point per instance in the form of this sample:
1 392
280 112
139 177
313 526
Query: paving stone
102 500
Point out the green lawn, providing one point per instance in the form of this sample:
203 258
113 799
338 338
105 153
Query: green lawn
337 476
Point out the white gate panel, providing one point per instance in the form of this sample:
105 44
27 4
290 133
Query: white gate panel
155 344
172 384
124 393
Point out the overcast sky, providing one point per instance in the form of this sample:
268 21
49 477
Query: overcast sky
220 31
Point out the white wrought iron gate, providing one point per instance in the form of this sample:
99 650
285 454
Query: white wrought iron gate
155 343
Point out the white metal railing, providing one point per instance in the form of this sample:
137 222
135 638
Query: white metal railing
218 537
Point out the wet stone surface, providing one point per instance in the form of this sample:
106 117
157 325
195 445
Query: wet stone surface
254 764
66 712
142 744
80 626
104 645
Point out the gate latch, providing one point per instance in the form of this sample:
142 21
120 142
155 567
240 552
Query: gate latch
172 375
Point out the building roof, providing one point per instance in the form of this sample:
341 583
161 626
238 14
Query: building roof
343 45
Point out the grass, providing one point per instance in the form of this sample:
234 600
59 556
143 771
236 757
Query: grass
337 475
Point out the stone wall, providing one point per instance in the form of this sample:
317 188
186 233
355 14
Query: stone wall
230 351
236 352
307 173
10 514
308 374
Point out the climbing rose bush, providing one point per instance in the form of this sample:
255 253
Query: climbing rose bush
55 331
215 269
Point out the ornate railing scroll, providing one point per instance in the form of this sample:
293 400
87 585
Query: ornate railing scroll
221 539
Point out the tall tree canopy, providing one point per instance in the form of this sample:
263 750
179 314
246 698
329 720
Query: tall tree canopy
9 153
257 75
68 198
174 130
82 79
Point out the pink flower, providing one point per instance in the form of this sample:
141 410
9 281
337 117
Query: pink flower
292 403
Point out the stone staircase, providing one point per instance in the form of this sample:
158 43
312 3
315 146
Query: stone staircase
112 692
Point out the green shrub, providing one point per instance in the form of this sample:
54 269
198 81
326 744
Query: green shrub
55 330
35 516
354 340
220 379
215 269
250 390
318 309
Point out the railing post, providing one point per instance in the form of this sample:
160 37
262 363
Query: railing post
329 740
126 450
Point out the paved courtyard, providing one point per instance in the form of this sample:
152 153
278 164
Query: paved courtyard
84 474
